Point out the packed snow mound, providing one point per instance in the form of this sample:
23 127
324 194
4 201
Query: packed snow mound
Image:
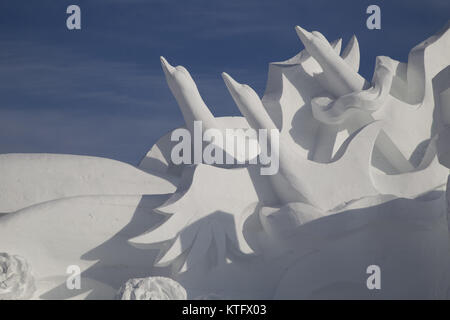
28 179
16 280
90 232
152 288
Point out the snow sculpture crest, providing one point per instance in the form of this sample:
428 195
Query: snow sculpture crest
344 142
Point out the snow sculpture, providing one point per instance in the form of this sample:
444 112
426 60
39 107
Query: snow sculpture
152 288
323 173
362 176
16 280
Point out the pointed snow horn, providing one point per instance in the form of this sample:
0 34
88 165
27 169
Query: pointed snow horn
341 79
249 104
167 67
186 93
337 45
351 53
305 36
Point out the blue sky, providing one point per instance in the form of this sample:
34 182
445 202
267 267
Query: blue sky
101 91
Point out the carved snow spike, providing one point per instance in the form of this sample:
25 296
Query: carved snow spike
340 78
186 93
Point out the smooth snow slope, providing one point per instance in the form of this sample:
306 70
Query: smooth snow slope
28 179
90 232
